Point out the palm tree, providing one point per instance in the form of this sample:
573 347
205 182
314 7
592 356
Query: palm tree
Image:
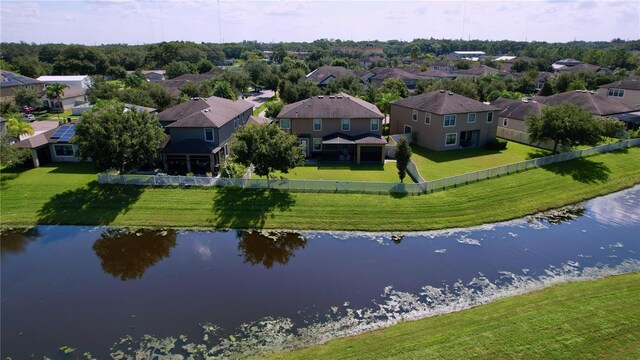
55 91
16 125
384 100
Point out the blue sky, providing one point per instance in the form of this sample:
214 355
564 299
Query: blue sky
138 22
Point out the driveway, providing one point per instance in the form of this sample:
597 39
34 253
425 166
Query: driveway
258 99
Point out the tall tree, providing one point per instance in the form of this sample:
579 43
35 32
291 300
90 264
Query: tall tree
267 147
384 100
566 125
395 85
54 92
24 96
403 156
224 90
118 139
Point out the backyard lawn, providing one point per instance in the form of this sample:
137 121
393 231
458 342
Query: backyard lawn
439 164
68 194
347 172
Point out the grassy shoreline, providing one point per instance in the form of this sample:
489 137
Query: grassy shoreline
592 319
68 194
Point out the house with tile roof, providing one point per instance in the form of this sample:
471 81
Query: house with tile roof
336 128
442 120
10 82
199 131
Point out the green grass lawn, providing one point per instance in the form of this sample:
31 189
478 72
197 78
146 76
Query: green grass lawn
364 172
440 164
586 320
70 194
53 116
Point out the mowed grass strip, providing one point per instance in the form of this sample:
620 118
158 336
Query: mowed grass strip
69 194
585 320
440 164
348 172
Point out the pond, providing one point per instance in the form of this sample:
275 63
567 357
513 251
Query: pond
114 292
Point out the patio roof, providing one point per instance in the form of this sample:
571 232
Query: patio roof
338 139
190 146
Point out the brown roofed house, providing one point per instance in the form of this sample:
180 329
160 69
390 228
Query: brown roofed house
626 91
511 118
199 131
324 74
443 120
336 128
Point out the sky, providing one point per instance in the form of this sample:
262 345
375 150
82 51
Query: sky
138 22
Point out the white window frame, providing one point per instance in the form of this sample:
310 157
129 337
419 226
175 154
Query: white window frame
505 122
374 121
213 135
314 144
414 115
342 122
448 118
613 92
314 125
427 118
288 122
455 143
56 146
489 115
469 118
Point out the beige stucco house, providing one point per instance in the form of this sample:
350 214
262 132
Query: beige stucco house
336 128
626 91
442 120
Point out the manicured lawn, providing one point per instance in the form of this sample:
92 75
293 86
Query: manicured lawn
365 172
587 320
69 194
439 164
53 116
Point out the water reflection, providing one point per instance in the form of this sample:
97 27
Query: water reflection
127 254
268 248
15 241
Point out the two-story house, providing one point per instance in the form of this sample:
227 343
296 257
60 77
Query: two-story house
441 120
339 128
626 91
10 82
199 131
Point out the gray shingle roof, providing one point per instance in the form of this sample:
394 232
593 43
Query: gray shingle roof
480 71
204 112
36 140
630 83
594 103
322 73
444 102
9 79
330 107
517 109
190 146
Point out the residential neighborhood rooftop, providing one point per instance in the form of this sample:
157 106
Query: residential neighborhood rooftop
9 79
322 73
204 112
630 83
517 109
337 106
444 102
55 78
588 100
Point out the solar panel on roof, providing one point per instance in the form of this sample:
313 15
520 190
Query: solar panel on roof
67 135
61 130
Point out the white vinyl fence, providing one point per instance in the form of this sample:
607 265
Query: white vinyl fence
421 186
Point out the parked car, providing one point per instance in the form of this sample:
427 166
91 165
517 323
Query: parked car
29 117
28 109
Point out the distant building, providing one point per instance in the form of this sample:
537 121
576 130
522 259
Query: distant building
10 82
71 96
468 55
83 81
325 74
626 91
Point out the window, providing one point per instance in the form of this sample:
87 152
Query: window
427 118
489 117
345 125
505 122
285 124
375 125
317 124
451 139
449 120
317 144
616 92
63 150
414 115
407 129
471 118
208 135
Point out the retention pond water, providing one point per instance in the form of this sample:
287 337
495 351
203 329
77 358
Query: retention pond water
117 293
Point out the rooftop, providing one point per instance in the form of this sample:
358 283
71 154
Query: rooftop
592 102
55 78
630 83
444 102
204 112
9 79
517 109
330 107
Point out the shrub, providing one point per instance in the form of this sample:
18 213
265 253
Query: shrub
497 144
